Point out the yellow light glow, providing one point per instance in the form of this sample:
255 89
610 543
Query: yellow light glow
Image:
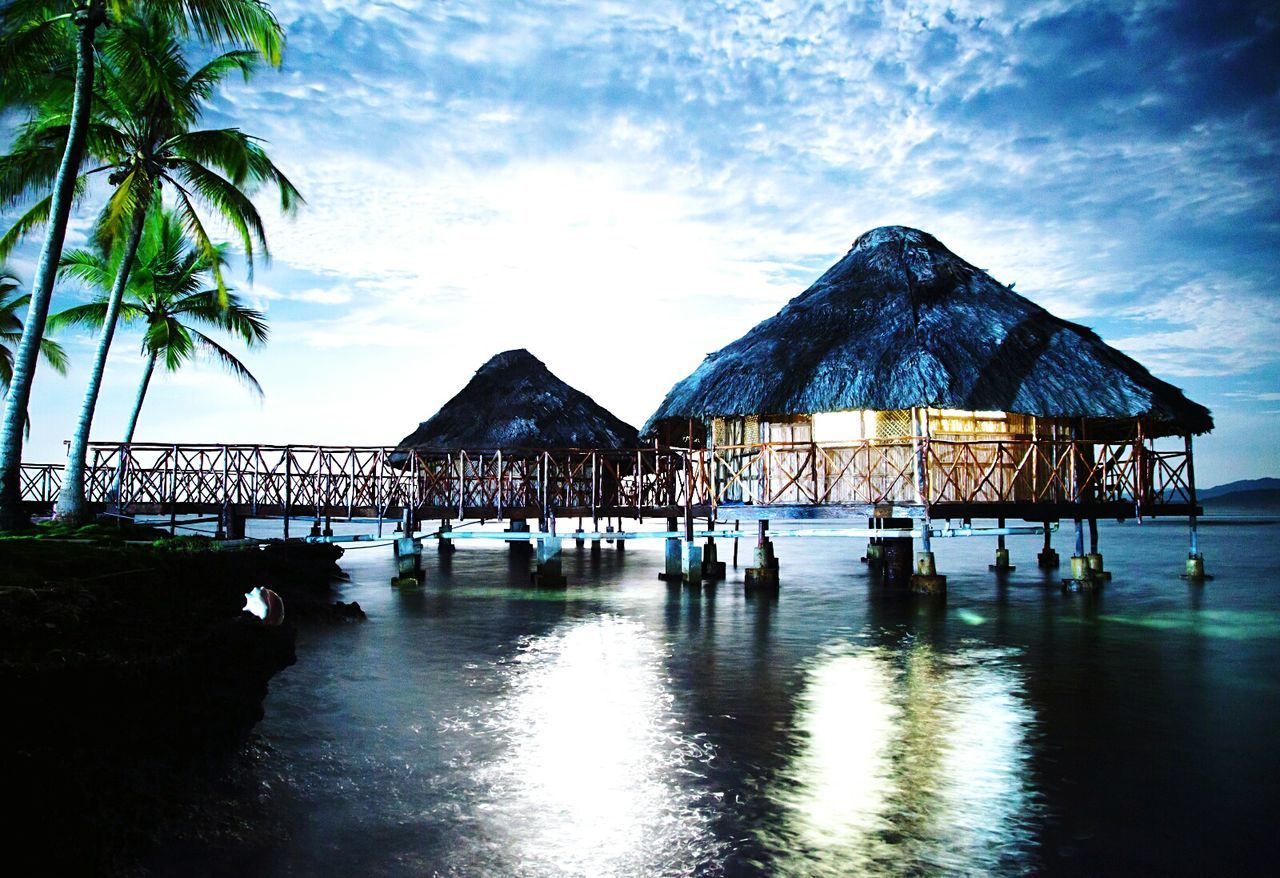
831 428
899 750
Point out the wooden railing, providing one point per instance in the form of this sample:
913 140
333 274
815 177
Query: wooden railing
353 481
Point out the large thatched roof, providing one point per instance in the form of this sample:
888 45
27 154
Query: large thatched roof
901 321
515 402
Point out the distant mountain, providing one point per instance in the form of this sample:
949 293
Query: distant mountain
1266 497
1245 486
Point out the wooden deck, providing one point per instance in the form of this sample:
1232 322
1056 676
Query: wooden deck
1029 479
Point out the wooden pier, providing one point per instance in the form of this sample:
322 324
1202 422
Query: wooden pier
1027 479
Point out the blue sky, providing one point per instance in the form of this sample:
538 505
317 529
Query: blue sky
623 187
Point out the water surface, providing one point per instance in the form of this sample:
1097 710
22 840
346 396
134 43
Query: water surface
624 727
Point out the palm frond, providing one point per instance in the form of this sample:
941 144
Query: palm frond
87 316
226 22
228 361
92 269
248 323
191 222
226 149
27 167
232 204
36 216
54 355
261 166
204 82
35 41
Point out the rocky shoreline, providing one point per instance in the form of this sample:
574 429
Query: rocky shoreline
132 679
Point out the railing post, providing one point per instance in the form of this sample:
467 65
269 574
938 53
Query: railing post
173 492
543 476
351 483
379 468
288 487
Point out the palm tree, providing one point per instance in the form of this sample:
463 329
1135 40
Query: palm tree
150 103
11 333
25 32
165 292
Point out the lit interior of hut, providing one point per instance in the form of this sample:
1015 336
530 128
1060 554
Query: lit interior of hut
868 456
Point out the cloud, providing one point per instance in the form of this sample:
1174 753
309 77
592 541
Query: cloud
624 187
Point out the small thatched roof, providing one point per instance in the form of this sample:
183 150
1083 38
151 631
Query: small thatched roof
515 402
901 322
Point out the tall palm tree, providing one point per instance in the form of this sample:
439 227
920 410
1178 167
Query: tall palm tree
145 125
166 292
11 332
24 29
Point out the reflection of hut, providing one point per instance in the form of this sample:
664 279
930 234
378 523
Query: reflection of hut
509 438
900 339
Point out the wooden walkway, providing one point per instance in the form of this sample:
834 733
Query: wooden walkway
1033 480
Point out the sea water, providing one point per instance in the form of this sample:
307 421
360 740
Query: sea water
624 727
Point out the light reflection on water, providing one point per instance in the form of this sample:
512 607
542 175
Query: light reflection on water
480 727
595 774
909 762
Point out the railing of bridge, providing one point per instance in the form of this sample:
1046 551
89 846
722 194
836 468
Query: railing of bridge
348 480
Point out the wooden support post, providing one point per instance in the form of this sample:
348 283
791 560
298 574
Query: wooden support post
1195 560
1048 557
713 569
764 575
926 579
519 547
672 571
691 564
874 558
1002 564
897 564
547 570
234 524
736 527
408 551
1094 558
1081 578
444 545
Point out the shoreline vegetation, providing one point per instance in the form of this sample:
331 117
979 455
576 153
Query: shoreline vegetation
133 680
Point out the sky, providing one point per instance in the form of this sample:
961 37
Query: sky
624 187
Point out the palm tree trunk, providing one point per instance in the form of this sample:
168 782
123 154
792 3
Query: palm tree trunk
142 394
87 19
71 496
133 423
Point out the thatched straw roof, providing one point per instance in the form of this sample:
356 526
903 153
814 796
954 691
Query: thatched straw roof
515 402
900 322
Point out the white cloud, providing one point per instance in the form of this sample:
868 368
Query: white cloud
622 187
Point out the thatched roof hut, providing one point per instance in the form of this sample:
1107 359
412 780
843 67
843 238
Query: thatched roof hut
902 322
514 402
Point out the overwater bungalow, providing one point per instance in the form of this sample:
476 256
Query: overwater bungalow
515 402
518 442
902 353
